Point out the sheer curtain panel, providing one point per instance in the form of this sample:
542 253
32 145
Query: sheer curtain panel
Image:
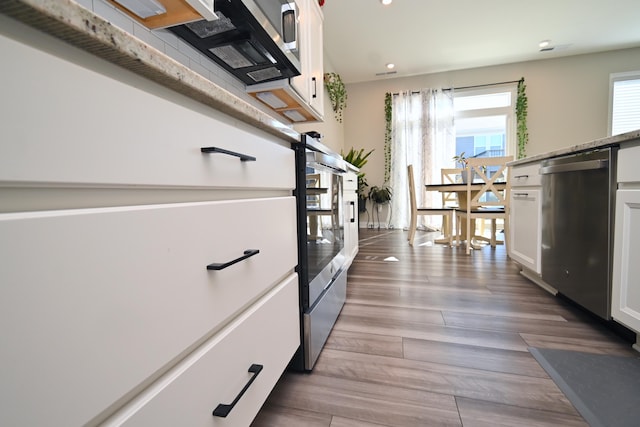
423 136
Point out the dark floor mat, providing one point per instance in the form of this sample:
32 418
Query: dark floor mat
604 389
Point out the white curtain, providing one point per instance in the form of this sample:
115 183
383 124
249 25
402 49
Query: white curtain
422 135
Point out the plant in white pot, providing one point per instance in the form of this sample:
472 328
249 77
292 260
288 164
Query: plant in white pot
461 158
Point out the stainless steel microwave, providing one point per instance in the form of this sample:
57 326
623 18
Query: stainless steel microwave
255 40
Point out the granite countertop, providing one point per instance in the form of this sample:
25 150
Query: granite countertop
80 27
621 140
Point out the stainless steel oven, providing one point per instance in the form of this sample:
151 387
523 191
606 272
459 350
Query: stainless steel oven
321 253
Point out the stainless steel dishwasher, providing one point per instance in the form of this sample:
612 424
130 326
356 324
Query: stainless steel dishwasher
578 199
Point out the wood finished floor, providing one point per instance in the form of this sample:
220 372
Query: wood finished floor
438 338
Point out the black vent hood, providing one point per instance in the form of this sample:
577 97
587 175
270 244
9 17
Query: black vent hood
244 41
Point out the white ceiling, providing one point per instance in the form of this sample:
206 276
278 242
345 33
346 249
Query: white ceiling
428 36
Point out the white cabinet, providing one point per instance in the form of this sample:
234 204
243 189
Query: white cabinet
310 84
301 98
125 290
259 340
525 217
626 248
120 299
351 215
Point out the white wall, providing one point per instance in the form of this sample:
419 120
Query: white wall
568 100
331 129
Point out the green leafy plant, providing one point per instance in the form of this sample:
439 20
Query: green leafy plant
460 158
388 110
521 119
358 158
337 93
380 195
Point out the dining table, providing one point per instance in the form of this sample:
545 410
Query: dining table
460 188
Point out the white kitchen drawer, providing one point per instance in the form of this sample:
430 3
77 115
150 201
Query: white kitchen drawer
94 301
628 160
267 334
525 227
526 175
155 161
103 131
350 181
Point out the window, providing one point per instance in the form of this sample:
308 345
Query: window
484 121
624 104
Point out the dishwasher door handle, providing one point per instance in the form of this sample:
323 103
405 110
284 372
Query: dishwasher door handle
575 166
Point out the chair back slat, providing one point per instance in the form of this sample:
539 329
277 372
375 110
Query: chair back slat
450 176
490 171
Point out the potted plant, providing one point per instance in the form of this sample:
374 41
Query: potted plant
380 195
462 159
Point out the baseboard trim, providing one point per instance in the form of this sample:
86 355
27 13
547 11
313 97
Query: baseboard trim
538 281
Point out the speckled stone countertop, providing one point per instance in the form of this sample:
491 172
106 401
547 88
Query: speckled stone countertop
80 27
621 140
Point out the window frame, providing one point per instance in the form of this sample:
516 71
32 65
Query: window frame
613 78
508 111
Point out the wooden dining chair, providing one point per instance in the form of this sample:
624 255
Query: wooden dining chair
483 199
450 198
416 211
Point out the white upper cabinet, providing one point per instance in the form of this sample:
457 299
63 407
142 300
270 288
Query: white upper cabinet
310 85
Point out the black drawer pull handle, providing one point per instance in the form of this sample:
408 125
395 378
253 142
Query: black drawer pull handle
221 266
521 176
520 194
353 211
222 410
243 157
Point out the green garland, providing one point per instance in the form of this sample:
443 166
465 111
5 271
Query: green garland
337 93
521 119
387 137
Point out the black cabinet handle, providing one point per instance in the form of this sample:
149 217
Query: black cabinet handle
222 410
243 157
521 176
315 87
221 266
520 194
353 210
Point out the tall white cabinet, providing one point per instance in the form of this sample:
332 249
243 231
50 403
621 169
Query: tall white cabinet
626 249
351 215
144 281
525 217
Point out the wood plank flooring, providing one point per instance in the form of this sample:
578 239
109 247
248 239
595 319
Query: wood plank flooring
438 338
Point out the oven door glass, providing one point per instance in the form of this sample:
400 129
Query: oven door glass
325 222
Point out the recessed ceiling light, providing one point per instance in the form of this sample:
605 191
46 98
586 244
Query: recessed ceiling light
546 46
391 66
386 2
